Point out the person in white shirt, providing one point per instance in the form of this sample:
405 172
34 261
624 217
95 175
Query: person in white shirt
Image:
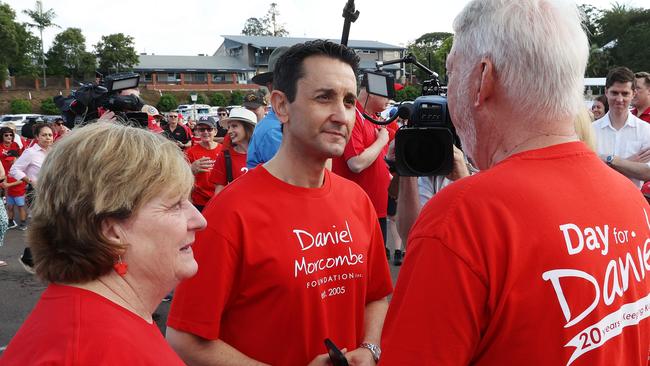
623 140
27 167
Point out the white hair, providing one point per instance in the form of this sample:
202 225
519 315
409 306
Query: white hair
538 47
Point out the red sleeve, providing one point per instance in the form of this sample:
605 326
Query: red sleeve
218 173
438 309
199 301
379 282
356 144
392 130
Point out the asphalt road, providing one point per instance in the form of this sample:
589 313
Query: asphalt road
19 290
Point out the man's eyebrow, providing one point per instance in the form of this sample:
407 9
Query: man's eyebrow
328 91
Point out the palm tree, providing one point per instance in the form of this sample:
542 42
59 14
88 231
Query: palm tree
42 19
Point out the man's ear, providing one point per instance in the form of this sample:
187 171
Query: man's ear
487 82
280 104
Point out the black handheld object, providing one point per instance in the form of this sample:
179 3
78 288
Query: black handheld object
336 356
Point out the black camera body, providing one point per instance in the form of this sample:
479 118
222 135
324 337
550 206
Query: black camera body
424 147
84 104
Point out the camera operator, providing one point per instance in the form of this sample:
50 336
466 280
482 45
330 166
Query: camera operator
363 158
527 262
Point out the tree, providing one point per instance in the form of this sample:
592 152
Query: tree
68 55
409 92
167 103
269 25
236 98
632 47
8 39
20 106
218 99
254 27
431 50
591 21
41 20
116 53
48 107
275 28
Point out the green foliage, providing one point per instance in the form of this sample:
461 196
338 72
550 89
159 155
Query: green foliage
269 25
409 92
68 55
167 103
431 49
236 98
48 107
633 47
42 19
218 99
18 47
20 106
116 53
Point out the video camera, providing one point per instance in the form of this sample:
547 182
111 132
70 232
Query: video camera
85 103
424 145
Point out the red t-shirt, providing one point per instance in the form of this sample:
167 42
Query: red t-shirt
72 326
7 161
375 178
645 116
218 175
203 189
283 267
540 260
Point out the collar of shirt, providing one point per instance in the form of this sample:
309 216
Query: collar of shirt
631 121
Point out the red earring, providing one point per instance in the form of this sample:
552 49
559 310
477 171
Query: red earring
120 267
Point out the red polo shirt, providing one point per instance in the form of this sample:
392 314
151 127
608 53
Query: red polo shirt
644 116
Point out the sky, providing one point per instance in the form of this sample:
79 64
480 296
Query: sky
192 27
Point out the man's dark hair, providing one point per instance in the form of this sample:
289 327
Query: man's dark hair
620 75
645 76
289 68
39 126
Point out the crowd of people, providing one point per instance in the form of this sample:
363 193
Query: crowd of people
270 221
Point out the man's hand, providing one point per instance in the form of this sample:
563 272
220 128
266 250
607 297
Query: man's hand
202 165
382 135
460 169
642 156
108 116
360 357
321 360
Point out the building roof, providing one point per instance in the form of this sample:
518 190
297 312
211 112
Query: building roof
190 63
274 42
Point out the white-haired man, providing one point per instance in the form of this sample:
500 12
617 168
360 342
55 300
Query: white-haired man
541 258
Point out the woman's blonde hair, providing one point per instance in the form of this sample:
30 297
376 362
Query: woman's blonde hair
584 130
98 172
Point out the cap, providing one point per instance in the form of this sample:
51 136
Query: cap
207 120
254 100
243 115
267 77
150 110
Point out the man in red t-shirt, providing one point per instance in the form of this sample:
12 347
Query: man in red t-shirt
641 100
283 264
363 159
542 257
201 158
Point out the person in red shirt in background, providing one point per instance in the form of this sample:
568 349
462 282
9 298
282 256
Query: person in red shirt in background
202 157
363 159
641 100
14 190
59 128
241 124
292 253
523 263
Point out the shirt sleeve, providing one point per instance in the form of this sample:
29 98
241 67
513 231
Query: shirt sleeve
20 165
200 301
356 144
218 173
438 310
